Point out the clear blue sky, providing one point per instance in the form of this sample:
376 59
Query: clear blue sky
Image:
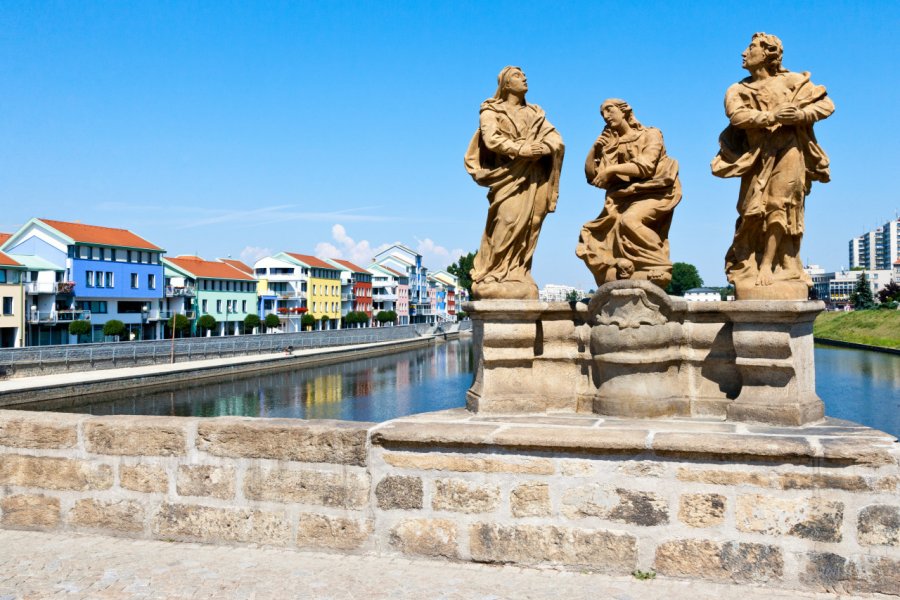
229 128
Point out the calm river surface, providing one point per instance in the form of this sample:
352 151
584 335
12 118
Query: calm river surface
857 385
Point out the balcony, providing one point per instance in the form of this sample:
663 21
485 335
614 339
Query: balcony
40 287
384 297
291 295
175 291
58 316
346 297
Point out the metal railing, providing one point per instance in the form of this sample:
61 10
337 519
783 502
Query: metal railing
58 316
173 291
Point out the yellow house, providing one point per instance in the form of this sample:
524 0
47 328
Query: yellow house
323 289
12 298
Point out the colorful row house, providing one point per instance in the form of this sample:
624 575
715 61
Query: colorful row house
12 293
291 285
390 292
408 262
221 289
78 272
356 288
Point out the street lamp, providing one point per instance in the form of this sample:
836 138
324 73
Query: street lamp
145 312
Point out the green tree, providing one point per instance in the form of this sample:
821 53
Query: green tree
251 322
462 269
181 323
307 321
79 328
114 328
725 292
272 321
572 296
206 323
324 319
684 278
861 298
889 293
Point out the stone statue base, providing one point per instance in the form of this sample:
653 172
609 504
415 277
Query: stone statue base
780 290
635 352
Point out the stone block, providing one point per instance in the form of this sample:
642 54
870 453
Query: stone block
812 518
577 468
549 544
322 531
820 481
879 525
765 447
429 461
22 429
605 440
210 524
717 561
833 573
205 480
729 478
641 468
136 436
859 451
890 484
339 490
54 473
615 504
426 537
399 492
530 500
407 433
337 442
458 495
30 511
144 478
118 515
701 510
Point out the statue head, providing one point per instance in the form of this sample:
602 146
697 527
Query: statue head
510 79
766 50
623 107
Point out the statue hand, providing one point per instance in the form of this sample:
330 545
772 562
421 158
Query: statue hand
545 150
789 115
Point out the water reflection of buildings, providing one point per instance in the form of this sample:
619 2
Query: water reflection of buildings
323 389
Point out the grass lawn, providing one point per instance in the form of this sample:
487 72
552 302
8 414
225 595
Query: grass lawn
874 327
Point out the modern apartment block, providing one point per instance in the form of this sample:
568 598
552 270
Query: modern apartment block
291 285
409 262
390 292
12 296
878 249
356 287
75 271
197 287
844 282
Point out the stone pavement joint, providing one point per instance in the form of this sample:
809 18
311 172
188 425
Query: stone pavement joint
42 565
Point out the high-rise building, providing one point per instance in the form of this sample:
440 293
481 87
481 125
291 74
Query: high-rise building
878 249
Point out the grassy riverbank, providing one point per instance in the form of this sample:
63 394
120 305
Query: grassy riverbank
873 327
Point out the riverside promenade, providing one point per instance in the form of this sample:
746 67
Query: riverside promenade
70 565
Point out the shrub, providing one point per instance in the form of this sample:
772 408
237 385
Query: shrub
180 322
79 327
307 320
114 328
206 322
251 322
272 321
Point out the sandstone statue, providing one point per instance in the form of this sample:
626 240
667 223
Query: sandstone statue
771 146
629 240
517 154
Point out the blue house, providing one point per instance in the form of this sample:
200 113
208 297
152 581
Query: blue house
87 272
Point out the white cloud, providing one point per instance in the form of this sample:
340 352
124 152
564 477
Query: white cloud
435 256
251 254
270 215
360 253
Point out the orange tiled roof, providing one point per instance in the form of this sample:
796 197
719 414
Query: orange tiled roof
237 264
210 269
6 261
4 237
397 273
350 265
94 234
312 261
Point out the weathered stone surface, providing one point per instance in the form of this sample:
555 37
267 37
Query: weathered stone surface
714 477
23 429
619 504
879 525
462 496
860 451
341 490
642 468
121 515
887 484
579 439
530 500
722 444
205 480
819 481
399 492
432 434
24 510
467 464
322 531
426 537
143 478
54 473
811 518
536 544
209 524
577 468
701 510
136 436
339 442
731 561
833 573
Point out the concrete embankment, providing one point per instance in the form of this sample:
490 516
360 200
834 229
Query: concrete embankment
61 389
856 346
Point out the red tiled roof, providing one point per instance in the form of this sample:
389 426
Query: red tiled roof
94 234
312 261
237 264
350 265
397 273
208 268
6 261
4 237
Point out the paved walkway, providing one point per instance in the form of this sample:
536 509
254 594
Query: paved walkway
43 565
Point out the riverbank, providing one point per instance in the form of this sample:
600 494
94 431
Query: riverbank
866 329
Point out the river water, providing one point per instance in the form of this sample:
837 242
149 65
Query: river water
857 385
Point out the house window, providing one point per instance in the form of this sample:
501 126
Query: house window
243 306
110 282
89 278
2 275
203 309
95 253
84 252
218 306
7 305
134 281
101 279
151 281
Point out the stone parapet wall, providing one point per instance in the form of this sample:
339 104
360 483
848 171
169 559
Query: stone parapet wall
815 507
